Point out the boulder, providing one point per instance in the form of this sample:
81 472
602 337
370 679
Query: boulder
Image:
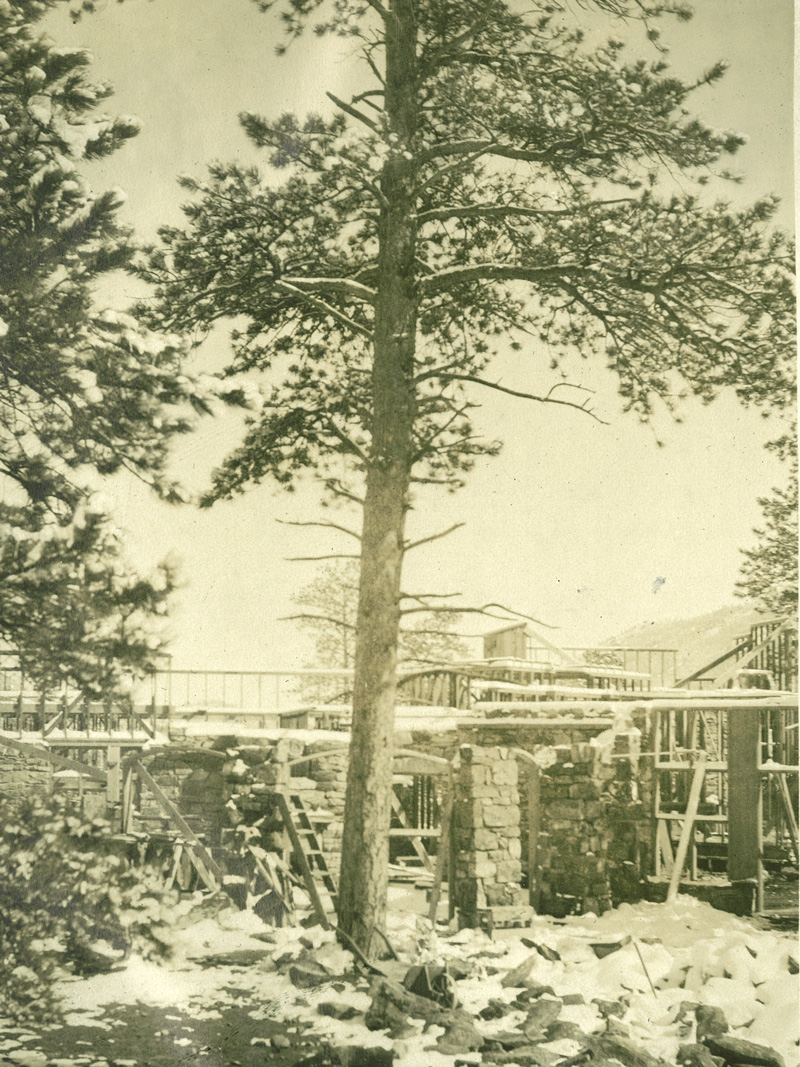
697 1056
602 949
541 1014
460 1034
533 990
349 1056
505 1041
544 951
563 1029
629 1054
711 1021
335 1010
611 1007
392 1005
735 1051
307 973
526 1055
518 975
495 1009
358 1056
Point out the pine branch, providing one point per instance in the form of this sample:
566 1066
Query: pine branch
490 211
381 10
308 617
317 559
335 486
484 610
353 112
451 277
326 525
434 537
548 399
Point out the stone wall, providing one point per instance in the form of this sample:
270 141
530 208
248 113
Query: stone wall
192 779
595 831
486 844
533 735
22 775
316 771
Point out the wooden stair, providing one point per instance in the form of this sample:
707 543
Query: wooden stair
308 855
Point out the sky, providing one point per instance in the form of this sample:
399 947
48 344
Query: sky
589 528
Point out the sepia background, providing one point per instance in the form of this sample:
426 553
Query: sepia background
591 528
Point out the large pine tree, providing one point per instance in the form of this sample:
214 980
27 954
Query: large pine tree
497 183
84 392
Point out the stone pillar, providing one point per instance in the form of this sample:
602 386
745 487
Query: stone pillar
572 874
487 872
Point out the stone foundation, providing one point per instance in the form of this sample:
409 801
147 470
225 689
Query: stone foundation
592 825
486 834
22 775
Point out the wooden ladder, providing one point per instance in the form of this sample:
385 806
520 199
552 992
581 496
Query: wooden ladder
310 858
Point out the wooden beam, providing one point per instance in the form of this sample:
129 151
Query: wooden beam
202 859
791 814
62 762
126 816
664 849
443 853
114 774
696 677
534 818
413 833
751 655
744 793
687 832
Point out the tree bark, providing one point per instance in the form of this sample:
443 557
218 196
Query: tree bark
365 843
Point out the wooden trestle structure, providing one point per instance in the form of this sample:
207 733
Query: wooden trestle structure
724 765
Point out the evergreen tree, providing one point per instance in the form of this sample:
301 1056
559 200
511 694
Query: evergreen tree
330 610
499 183
84 392
769 571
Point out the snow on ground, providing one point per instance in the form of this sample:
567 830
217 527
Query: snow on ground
669 956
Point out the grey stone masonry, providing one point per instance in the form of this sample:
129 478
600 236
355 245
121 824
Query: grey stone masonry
591 826
486 834
24 775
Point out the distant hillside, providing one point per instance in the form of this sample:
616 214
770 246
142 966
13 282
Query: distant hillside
698 640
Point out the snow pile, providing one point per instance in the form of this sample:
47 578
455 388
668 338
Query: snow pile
637 973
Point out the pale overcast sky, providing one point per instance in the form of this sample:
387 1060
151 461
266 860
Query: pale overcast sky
576 523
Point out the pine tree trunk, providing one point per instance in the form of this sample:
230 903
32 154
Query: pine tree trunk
365 843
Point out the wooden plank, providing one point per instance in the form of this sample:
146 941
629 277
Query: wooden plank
710 666
417 764
203 860
687 833
678 816
744 793
534 818
302 859
791 814
114 774
443 853
413 833
137 717
62 762
126 817
728 675
664 849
